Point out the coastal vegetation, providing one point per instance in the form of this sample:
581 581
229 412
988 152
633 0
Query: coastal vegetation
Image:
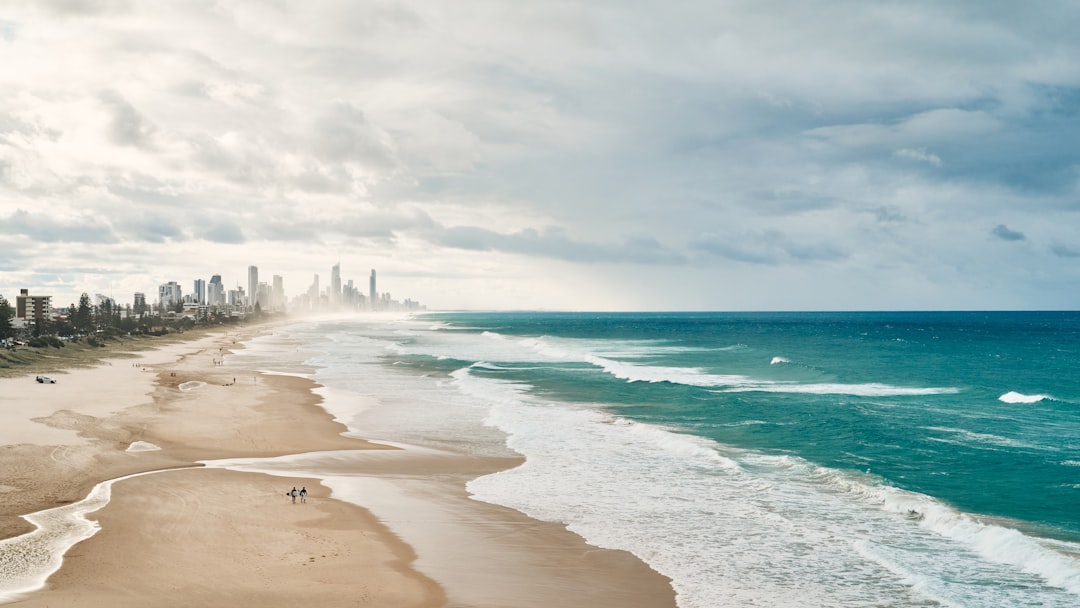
85 333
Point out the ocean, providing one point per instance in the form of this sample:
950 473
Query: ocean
757 459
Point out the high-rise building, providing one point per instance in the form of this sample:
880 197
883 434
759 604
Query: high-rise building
262 297
371 290
253 285
32 307
140 303
199 294
335 285
169 294
215 291
277 298
313 292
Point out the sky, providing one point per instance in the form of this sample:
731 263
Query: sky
554 155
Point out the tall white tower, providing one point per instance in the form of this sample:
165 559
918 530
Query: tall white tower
371 290
253 285
335 285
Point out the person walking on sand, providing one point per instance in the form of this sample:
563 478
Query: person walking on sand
293 493
303 494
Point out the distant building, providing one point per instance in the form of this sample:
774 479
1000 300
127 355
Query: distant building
139 307
170 294
371 290
335 285
199 295
277 296
32 307
253 285
236 297
215 291
262 296
313 293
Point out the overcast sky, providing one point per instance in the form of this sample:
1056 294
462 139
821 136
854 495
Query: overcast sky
556 154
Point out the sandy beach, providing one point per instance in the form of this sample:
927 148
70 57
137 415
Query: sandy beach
207 535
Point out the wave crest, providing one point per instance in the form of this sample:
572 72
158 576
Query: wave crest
1015 397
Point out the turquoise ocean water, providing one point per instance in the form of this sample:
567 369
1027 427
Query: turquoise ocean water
768 459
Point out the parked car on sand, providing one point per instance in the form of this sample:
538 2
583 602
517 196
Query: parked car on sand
45 380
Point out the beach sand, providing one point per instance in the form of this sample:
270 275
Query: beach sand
215 537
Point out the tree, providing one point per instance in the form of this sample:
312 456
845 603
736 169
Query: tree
7 330
83 316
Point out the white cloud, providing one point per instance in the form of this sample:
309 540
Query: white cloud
920 155
564 148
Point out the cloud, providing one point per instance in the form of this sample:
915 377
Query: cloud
750 141
767 248
127 126
919 154
50 228
225 232
84 8
553 243
343 134
1003 232
1063 251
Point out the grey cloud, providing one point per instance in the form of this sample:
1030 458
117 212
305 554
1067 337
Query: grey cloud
84 8
342 133
128 127
553 243
768 248
384 223
889 215
919 154
1003 232
225 232
8 30
149 227
50 229
1063 251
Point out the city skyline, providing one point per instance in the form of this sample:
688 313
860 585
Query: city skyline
788 155
271 297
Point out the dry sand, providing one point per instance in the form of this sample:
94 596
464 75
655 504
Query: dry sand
213 537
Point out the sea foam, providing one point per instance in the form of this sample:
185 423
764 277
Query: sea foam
27 561
1015 397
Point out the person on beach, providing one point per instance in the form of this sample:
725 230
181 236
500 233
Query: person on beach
293 493
303 494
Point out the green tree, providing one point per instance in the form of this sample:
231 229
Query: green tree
82 319
7 330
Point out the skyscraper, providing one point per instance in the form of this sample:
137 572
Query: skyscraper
371 289
277 299
169 294
215 291
335 285
140 303
253 285
200 291
313 293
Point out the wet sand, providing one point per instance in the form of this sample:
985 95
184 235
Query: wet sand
215 537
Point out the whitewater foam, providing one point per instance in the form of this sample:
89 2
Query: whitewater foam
1015 397
872 389
27 561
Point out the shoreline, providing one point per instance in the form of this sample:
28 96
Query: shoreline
276 417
